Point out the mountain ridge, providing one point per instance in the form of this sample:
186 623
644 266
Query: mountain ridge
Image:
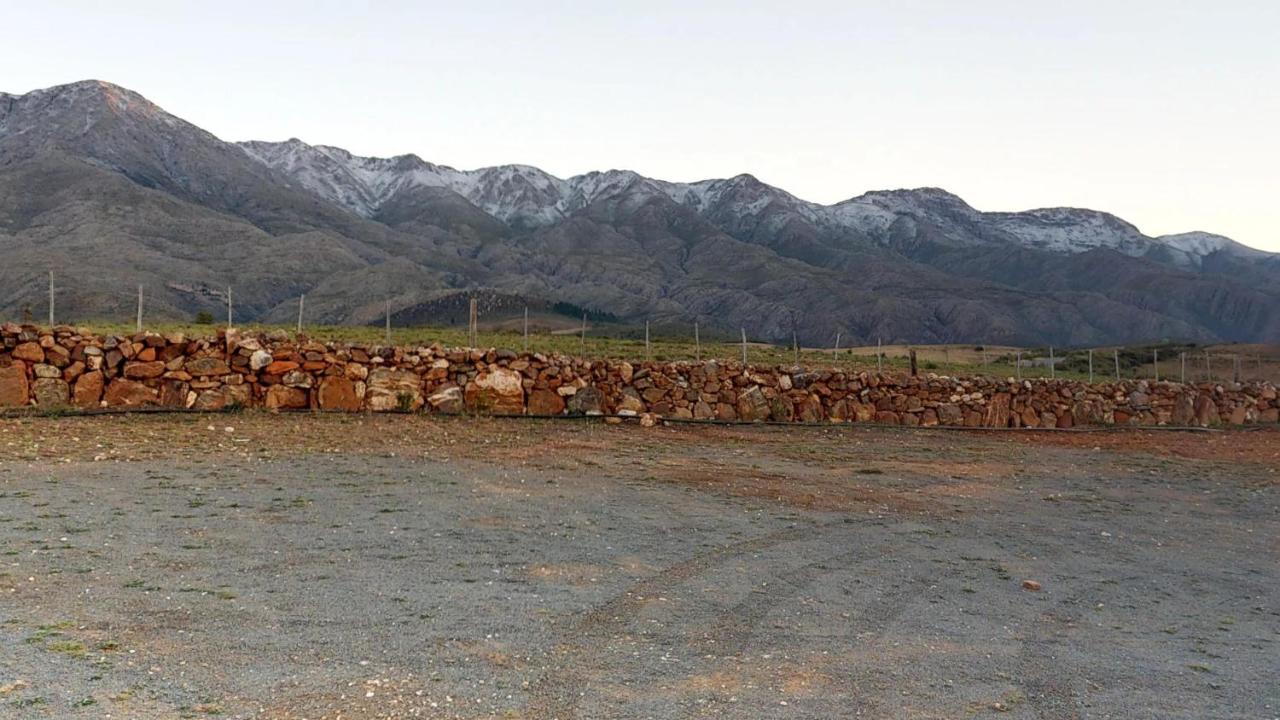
911 264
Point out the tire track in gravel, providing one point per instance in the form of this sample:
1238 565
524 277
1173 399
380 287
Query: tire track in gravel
557 694
736 627
1043 676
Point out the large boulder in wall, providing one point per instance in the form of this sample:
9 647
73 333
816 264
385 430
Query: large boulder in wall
499 391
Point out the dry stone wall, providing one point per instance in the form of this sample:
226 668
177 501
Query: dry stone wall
71 367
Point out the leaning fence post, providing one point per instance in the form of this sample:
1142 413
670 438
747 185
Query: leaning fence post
582 338
139 308
50 300
1115 355
1208 367
302 300
836 352
228 306
473 323
1182 358
1155 362
1053 373
744 347
1090 366
795 347
879 358
697 343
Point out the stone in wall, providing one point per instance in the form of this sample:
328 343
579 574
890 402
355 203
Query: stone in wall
15 391
87 391
337 393
447 400
283 397
50 392
393 390
498 391
545 402
129 393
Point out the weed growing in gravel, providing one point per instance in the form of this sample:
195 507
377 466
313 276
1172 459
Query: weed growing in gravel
70 648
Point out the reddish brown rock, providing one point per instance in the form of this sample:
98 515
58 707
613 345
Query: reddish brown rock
810 409
725 411
173 393
29 351
886 417
57 356
1206 411
143 370
88 390
280 367
283 397
753 406
545 402
337 393
14 389
128 393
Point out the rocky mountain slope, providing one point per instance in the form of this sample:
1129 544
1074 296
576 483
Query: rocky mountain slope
111 191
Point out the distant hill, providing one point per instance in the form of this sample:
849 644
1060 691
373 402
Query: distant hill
112 192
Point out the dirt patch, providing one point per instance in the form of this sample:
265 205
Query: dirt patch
1261 446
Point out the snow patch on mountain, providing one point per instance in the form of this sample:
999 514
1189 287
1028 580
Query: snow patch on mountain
1071 230
525 195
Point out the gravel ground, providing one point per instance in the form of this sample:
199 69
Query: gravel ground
257 566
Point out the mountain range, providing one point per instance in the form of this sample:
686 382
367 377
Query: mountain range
111 192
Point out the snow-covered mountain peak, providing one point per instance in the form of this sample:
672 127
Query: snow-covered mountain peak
524 195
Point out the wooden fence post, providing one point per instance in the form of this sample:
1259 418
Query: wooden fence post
139 323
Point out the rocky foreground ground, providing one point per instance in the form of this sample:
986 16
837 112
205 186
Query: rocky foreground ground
248 565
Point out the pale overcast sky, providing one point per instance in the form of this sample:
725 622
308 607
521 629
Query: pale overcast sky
1165 113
